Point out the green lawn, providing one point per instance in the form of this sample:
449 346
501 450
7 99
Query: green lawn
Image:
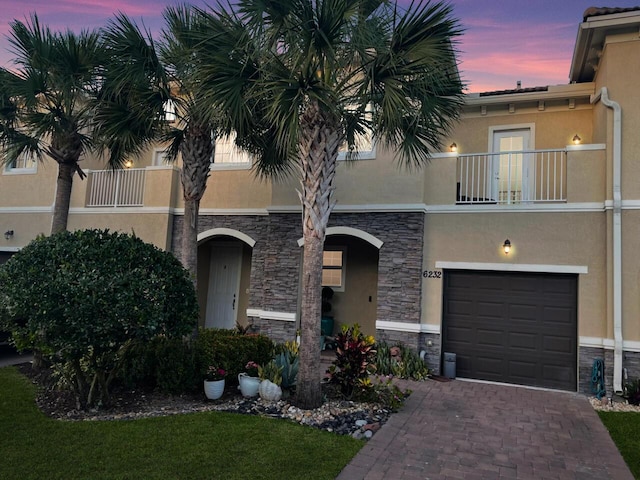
210 445
624 428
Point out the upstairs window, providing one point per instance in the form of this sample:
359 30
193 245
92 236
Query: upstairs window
169 111
228 155
363 143
160 158
25 163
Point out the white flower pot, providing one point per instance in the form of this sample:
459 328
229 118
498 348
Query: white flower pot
270 391
248 385
213 389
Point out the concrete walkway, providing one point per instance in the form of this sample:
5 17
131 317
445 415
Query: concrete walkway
470 430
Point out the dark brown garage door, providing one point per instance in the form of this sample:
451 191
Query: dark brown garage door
512 327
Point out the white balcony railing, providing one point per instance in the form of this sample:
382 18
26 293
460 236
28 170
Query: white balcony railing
116 188
512 177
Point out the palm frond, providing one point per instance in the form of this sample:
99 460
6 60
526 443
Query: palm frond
130 106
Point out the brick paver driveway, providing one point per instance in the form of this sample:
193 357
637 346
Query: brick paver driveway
471 430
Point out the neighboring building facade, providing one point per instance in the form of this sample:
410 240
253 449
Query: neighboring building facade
418 256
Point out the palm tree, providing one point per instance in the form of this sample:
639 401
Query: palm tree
297 79
160 75
46 103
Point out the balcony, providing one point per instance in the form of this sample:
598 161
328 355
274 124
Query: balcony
116 188
535 176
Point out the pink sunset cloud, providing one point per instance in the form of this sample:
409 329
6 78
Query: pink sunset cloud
60 15
506 53
63 8
502 42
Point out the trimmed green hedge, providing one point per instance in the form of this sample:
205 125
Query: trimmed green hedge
179 365
231 351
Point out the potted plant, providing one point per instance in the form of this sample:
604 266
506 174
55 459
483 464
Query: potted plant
249 381
214 382
271 376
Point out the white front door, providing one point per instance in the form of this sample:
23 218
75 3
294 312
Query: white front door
224 285
511 170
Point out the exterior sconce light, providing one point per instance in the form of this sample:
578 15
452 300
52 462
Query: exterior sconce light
576 139
128 164
453 148
507 246
8 235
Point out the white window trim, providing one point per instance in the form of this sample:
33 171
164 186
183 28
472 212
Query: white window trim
20 171
362 155
7 170
231 166
343 249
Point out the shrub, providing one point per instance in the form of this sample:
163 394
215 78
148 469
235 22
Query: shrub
383 392
174 365
633 392
81 298
230 351
355 355
400 361
136 366
164 364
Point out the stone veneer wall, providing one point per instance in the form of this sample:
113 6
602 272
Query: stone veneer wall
275 257
391 337
400 260
631 361
276 260
586 356
433 356
276 330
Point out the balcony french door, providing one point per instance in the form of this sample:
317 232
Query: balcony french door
512 180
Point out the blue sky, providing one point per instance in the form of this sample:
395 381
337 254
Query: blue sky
504 41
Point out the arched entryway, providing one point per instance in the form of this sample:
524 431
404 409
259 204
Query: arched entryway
224 268
350 267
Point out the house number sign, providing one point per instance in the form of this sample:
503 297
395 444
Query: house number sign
431 274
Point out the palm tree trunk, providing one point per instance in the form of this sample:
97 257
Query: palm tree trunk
308 390
189 246
196 150
63 197
318 154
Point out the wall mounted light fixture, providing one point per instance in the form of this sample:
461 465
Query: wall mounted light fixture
8 235
128 164
576 139
453 148
507 246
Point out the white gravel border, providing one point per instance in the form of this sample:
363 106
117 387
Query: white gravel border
604 405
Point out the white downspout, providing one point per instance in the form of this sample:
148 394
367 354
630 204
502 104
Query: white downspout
617 235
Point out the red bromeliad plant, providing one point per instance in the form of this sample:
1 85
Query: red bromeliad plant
355 359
